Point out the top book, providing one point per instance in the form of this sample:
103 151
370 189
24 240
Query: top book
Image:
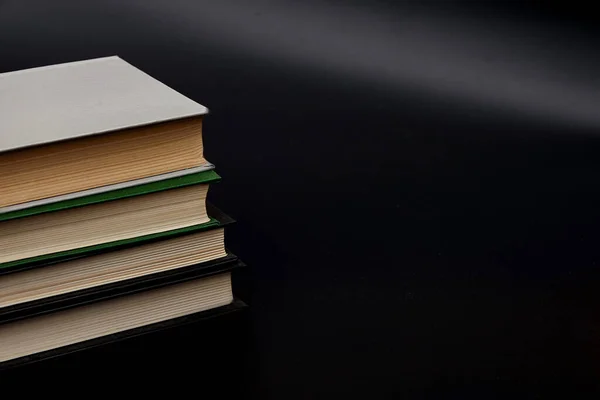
88 124
67 101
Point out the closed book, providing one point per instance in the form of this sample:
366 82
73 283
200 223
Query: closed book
72 329
105 220
82 125
64 286
208 349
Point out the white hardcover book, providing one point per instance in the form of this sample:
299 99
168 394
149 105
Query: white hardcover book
76 99
80 128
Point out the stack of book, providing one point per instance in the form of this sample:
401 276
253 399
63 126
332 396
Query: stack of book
105 231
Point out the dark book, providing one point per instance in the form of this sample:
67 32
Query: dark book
63 301
73 329
211 350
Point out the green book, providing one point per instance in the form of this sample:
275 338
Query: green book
101 221
208 176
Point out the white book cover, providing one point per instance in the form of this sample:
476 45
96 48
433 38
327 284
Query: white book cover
71 100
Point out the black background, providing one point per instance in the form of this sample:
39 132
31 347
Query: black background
416 185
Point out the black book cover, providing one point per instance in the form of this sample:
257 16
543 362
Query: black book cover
121 346
116 289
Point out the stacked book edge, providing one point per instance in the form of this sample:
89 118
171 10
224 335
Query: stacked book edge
105 230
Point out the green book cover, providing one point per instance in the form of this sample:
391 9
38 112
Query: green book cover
172 183
63 255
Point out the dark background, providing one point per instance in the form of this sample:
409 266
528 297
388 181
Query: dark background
416 184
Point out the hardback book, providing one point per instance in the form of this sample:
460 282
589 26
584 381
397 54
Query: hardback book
104 220
72 329
212 349
91 124
46 295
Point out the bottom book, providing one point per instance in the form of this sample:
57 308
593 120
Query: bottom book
71 330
